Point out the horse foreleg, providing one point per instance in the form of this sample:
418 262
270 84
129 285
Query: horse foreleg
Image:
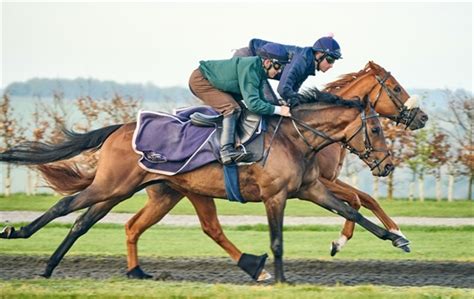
275 207
318 194
161 199
351 198
206 210
80 227
370 203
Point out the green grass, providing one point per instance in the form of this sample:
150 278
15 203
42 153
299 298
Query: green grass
294 207
122 288
309 242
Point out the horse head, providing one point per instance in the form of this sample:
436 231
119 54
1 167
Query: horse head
387 96
364 137
354 123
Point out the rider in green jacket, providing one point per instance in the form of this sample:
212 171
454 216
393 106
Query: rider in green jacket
221 84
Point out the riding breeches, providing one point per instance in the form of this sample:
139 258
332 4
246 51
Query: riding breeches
221 101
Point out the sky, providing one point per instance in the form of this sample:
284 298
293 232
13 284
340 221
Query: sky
423 44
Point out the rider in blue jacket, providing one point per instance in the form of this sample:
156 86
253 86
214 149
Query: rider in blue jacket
304 62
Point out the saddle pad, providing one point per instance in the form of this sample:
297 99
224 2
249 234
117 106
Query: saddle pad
170 144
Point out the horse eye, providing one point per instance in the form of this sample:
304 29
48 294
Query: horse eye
376 130
397 89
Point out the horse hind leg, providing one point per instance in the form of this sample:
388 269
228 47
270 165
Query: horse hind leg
207 213
66 205
80 227
61 208
161 199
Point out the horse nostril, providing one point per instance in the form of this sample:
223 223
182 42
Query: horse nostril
424 118
389 167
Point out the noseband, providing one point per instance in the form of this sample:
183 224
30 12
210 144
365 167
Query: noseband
405 115
364 155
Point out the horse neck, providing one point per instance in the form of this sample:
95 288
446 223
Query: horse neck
331 120
360 87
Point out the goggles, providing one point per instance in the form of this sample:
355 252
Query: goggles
277 65
330 59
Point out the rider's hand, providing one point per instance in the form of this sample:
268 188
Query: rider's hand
285 111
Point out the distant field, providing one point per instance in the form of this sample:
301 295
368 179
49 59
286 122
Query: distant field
400 207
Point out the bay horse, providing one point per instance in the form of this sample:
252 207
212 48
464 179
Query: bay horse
389 99
290 171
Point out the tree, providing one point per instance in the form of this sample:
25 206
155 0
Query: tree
40 125
439 155
460 127
11 132
418 161
120 109
399 142
55 115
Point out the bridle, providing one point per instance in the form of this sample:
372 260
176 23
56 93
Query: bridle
364 155
405 116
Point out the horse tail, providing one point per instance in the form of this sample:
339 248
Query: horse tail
35 152
66 177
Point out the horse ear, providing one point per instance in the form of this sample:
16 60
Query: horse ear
367 66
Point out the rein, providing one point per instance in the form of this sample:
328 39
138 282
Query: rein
267 150
404 114
345 143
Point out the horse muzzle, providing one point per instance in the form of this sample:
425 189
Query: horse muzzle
419 121
383 171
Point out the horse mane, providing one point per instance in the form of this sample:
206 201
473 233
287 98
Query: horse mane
315 96
346 79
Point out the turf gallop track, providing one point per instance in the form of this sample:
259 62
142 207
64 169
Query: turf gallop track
222 270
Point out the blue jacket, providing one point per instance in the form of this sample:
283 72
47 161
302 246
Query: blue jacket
295 73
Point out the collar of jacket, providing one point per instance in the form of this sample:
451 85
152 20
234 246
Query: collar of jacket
262 73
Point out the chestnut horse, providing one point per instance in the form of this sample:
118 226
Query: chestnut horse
290 171
390 100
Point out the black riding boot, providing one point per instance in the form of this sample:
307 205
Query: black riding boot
228 151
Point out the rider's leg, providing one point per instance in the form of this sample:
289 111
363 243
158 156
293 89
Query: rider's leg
225 104
228 151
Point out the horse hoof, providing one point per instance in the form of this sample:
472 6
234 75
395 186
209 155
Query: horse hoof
252 264
264 276
400 242
406 248
45 275
7 232
334 248
137 273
